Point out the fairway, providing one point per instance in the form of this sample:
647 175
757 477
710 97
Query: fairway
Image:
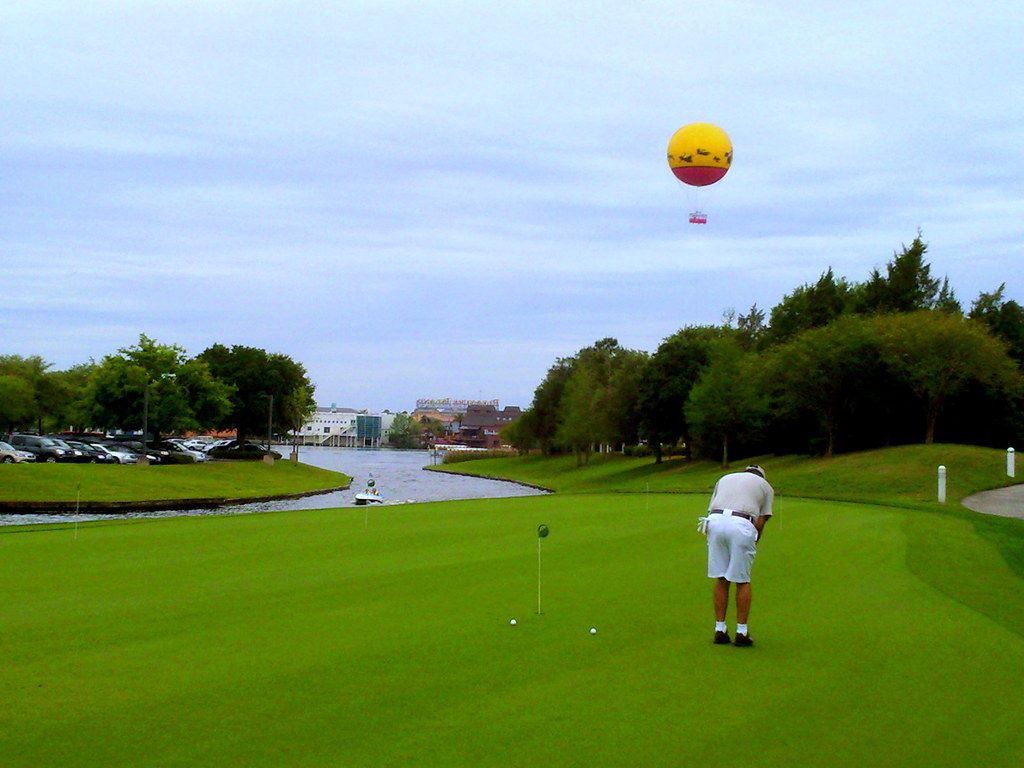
370 638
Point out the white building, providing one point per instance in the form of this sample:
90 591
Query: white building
346 428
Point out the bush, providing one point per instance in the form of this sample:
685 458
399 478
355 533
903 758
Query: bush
637 450
454 457
646 450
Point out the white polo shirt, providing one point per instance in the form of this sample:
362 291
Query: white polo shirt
743 492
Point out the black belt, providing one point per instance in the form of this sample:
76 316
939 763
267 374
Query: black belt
734 514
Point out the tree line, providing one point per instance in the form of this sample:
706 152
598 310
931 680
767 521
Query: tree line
158 385
835 366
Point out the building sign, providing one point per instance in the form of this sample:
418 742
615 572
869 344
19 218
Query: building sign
447 403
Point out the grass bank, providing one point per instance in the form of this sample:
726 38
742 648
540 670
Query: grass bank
355 638
118 483
900 476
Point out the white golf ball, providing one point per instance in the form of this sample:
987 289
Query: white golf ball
513 622
593 630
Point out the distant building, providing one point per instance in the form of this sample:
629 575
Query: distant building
448 418
346 428
446 410
481 425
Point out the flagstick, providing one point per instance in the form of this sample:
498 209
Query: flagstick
538 575
78 501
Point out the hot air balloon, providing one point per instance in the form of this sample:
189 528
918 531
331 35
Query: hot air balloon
699 154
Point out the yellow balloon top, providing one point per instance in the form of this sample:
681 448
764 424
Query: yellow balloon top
699 154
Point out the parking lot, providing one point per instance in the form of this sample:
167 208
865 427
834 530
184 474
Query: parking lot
108 449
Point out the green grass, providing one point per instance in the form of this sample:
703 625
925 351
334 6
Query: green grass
901 476
885 636
110 483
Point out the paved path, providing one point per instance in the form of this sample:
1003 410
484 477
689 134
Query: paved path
1005 502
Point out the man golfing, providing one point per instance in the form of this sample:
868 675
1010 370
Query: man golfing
740 507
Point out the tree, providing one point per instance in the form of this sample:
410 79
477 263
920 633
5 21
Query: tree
599 405
665 385
809 306
578 429
33 371
937 355
822 372
623 397
727 402
67 389
254 376
907 285
405 432
1003 318
546 404
158 384
433 428
520 434
750 329
17 402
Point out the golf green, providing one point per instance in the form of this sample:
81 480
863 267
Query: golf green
377 637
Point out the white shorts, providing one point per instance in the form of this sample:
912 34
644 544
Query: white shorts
732 544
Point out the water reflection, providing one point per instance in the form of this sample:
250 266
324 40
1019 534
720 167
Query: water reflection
399 476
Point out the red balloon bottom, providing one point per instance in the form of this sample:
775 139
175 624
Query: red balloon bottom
699 176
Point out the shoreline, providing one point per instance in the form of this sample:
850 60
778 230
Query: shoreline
491 477
149 505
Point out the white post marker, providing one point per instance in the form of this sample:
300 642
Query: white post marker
1010 459
942 484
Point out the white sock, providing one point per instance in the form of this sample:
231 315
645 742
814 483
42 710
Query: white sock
741 629
720 626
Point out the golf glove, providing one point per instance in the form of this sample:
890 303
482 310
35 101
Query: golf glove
702 525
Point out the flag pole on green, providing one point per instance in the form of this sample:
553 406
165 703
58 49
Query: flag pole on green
542 532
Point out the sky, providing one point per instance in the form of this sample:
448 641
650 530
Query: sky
439 199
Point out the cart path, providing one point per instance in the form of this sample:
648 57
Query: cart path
1005 502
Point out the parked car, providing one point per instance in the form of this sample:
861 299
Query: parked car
93 455
177 454
156 455
195 454
121 455
78 454
11 455
188 447
44 448
246 445
122 450
244 449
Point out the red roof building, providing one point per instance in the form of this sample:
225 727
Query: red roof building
482 424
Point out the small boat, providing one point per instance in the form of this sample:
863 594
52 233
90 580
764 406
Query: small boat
371 495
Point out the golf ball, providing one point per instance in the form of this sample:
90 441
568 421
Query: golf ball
593 630
513 622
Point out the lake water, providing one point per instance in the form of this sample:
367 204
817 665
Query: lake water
398 475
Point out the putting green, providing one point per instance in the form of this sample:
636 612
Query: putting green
381 637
